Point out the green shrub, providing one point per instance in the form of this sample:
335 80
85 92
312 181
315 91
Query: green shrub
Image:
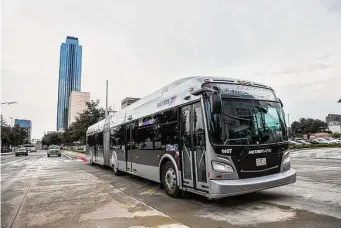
313 146
336 135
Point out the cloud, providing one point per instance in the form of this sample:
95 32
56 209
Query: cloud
139 46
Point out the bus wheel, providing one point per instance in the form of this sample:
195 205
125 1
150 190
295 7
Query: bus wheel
169 180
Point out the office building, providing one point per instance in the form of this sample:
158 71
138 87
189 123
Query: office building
48 132
333 118
70 73
25 124
128 101
334 127
77 104
33 141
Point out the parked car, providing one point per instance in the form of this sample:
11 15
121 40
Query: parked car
5 149
21 151
315 141
54 150
322 141
32 149
292 142
303 142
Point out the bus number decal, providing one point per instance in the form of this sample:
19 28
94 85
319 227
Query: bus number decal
226 151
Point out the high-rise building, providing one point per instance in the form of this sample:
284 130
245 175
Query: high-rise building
77 104
70 73
128 101
27 125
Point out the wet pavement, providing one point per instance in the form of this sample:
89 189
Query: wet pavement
37 191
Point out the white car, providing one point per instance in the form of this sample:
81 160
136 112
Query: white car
54 150
294 142
303 142
331 140
322 140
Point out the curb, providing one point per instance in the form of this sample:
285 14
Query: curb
4 154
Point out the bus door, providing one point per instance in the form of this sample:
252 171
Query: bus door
193 148
131 152
128 148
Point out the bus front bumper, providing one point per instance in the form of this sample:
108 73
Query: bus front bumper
224 188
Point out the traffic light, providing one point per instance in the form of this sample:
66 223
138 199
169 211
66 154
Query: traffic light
339 101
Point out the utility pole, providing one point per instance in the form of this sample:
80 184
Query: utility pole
106 99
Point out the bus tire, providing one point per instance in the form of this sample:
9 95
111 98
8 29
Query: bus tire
169 180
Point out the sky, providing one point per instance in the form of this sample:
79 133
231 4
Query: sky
140 46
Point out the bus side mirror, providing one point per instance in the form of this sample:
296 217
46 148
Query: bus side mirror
215 99
280 102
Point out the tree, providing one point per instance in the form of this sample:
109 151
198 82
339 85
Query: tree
18 135
5 132
12 135
308 126
90 116
53 138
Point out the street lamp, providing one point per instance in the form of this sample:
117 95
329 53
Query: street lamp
9 102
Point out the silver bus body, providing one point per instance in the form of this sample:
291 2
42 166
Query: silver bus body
175 112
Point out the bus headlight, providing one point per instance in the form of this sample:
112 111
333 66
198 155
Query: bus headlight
221 167
286 162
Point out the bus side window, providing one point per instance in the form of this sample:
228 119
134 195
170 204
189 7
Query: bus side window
120 135
167 130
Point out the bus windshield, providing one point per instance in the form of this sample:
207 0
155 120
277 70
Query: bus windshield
247 121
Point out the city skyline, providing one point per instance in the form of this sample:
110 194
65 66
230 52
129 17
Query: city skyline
70 76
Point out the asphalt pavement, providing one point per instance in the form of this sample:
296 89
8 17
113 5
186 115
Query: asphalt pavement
37 191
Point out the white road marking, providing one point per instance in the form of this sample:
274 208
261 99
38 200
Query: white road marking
69 157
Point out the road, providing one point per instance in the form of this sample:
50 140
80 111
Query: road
38 191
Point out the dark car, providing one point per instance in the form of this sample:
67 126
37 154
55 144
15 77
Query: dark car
5 149
21 151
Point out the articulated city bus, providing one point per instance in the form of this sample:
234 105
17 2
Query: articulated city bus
211 136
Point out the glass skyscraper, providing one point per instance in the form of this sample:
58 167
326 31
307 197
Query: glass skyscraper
70 74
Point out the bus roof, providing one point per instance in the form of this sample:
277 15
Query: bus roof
171 95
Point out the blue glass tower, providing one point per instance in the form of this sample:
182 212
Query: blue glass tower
70 73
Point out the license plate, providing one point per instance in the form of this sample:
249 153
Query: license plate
260 161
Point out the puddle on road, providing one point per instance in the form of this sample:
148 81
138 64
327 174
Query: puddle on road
150 192
247 215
